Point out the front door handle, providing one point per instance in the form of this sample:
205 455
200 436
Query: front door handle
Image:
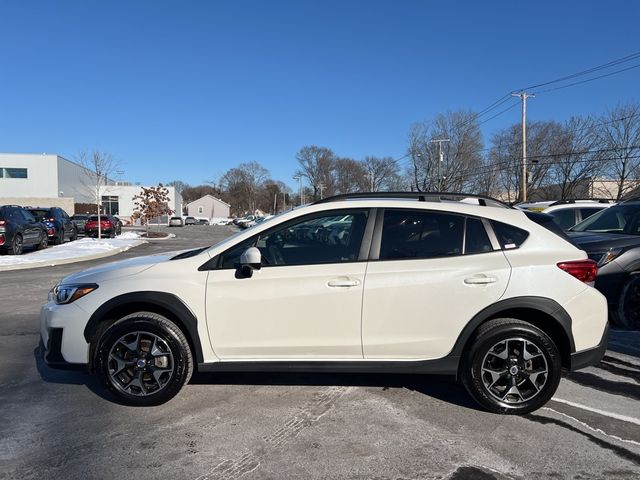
343 283
480 280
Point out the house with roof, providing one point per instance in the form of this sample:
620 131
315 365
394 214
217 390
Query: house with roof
208 207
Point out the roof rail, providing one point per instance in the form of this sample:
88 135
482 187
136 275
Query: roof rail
631 199
574 200
420 196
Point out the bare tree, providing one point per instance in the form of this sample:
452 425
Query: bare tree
242 185
576 164
349 176
619 136
98 166
382 173
316 165
462 151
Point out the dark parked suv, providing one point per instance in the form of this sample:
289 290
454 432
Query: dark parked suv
58 223
611 237
20 229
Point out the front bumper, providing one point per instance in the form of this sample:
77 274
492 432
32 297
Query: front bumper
61 333
52 352
591 356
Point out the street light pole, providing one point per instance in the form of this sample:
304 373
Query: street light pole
299 179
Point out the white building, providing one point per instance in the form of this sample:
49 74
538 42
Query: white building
43 180
118 200
49 180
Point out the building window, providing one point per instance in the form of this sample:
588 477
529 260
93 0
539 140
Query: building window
111 205
200 210
13 173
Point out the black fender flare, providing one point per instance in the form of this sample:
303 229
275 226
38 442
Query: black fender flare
541 304
164 301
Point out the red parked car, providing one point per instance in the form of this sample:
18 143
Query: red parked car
109 226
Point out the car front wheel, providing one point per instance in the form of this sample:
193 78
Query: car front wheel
512 367
144 359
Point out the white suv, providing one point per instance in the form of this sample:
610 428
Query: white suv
567 213
397 282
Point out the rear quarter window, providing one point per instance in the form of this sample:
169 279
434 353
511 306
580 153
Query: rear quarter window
509 236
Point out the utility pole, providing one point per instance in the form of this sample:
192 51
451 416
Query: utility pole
523 96
299 179
321 187
371 177
284 201
440 159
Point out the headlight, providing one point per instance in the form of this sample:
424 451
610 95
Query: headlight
62 294
605 257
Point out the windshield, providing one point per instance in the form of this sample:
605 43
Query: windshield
622 218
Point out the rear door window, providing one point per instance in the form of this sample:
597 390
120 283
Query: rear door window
476 238
419 234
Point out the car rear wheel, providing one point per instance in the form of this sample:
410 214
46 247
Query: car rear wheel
43 242
59 239
144 359
16 245
629 304
512 367
74 235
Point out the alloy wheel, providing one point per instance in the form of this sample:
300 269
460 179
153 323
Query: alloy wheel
514 370
140 363
631 304
17 245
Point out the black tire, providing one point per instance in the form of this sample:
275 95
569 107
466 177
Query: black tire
74 235
16 245
43 242
176 368
628 311
481 365
59 239
112 234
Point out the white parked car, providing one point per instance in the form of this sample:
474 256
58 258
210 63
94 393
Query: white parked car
410 285
567 213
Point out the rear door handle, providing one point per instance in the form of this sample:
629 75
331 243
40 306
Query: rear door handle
343 283
480 280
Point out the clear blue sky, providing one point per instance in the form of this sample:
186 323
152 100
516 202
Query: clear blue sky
185 90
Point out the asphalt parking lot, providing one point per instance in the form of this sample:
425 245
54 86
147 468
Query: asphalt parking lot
57 424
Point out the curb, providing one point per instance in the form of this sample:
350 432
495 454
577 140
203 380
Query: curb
65 261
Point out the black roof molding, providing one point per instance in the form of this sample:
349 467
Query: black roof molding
419 196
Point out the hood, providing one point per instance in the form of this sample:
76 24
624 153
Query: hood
601 242
119 269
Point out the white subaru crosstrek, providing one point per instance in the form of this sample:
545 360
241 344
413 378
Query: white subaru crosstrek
396 282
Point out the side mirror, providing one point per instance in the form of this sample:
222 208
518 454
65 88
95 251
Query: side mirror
250 260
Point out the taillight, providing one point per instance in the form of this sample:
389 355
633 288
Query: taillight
51 219
583 270
1 239
2 223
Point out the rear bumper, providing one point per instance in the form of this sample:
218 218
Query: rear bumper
590 356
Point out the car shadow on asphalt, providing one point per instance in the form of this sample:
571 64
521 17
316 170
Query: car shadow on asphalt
441 387
69 377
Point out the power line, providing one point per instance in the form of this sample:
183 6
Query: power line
612 63
589 79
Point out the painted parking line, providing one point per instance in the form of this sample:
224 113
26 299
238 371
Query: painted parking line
623 418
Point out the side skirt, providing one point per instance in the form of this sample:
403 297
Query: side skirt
442 366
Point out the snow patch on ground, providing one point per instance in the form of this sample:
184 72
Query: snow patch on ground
83 249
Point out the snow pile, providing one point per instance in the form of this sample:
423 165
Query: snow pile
83 249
